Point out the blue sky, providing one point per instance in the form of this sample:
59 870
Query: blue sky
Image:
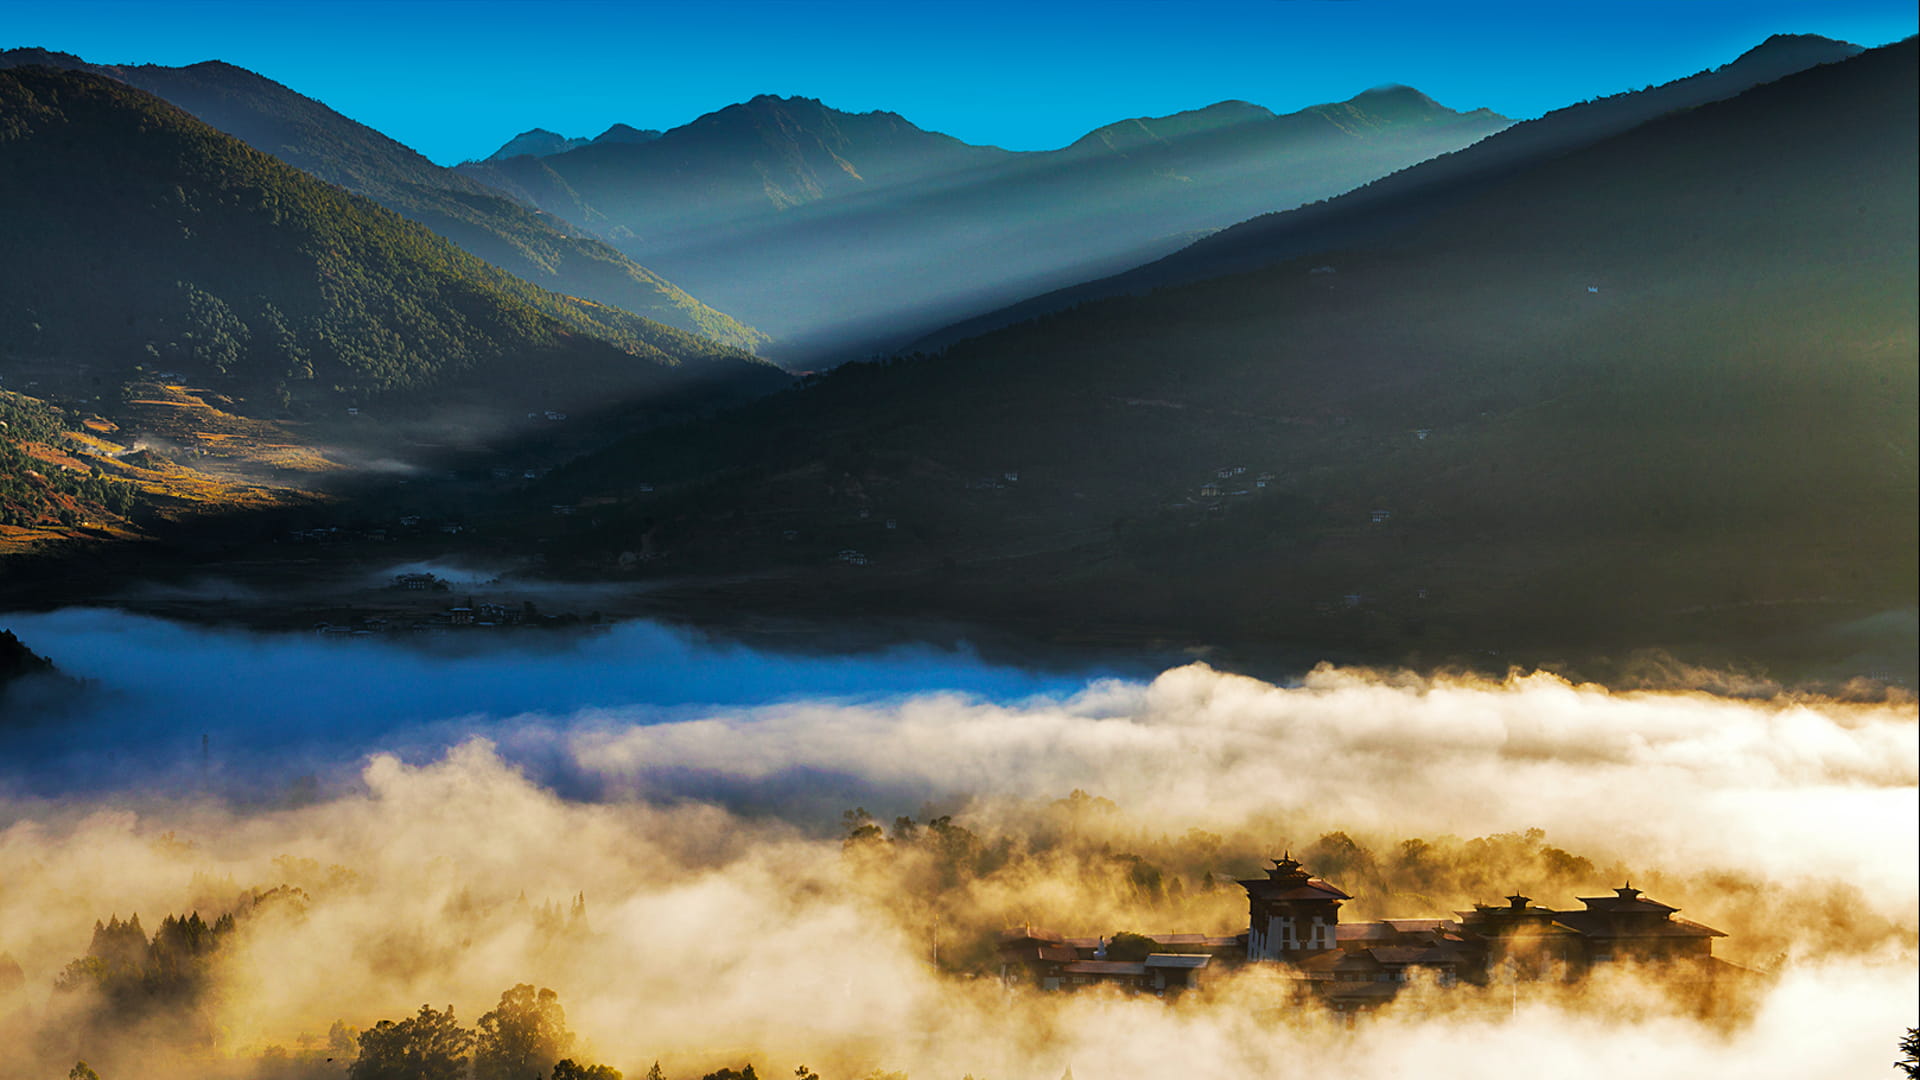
455 78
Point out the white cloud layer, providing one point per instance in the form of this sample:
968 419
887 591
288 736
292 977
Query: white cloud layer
724 925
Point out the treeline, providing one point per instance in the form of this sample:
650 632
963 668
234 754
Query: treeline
525 1037
134 975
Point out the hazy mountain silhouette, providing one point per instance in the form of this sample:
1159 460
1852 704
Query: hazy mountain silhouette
835 230
310 136
1660 388
156 240
543 143
1382 208
538 142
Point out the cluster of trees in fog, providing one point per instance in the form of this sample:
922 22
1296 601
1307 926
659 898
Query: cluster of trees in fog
525 1036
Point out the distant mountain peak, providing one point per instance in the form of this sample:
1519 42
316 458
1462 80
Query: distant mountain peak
1390 104
537 142
34 55
626 133
766 101
220 66
1796 45
1392 89
1124 135
1398 95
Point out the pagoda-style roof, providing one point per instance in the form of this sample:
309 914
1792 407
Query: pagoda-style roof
1600 924
1314 889
1288 880
1626 900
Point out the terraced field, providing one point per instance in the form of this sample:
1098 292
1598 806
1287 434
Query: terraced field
184 454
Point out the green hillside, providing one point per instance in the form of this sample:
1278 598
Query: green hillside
312 137
159 242
1659 390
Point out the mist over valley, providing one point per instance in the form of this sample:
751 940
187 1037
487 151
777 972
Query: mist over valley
1400 580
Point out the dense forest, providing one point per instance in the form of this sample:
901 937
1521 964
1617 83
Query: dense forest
309 136
224 262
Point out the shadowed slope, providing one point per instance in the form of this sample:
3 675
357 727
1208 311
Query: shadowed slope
1379 210
158 240
1660 389
310 136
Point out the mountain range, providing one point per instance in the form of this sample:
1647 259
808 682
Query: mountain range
1658 388
1641 370
1377 210
540 142
839 232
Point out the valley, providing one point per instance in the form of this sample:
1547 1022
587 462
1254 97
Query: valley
1010 541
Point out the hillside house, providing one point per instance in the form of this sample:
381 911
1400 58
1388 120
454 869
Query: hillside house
1053 962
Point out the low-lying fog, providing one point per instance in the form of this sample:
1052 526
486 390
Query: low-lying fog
439 809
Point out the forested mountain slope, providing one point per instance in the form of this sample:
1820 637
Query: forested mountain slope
312 137
157 241
1661 388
